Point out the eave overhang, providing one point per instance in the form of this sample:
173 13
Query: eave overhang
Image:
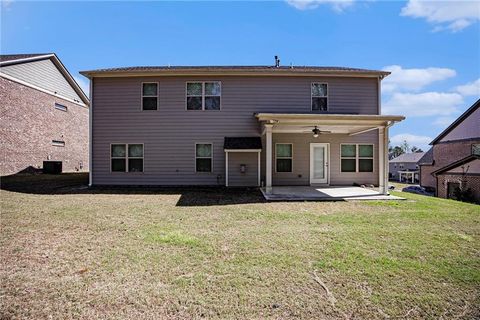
233 72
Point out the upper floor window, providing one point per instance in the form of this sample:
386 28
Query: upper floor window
476 149
149 96
58 143
61 107
204 95
127 157
357 158
319 97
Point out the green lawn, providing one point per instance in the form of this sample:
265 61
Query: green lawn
70 252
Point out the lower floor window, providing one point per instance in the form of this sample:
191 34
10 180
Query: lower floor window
203 157
356 157
127 157
283 157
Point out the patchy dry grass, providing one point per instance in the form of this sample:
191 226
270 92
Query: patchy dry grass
73 253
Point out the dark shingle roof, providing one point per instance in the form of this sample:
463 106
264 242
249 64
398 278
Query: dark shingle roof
427 158
409 157
239 143
456 164
11 57
459 120
281 69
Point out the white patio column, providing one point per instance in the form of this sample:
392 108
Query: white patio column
268 158
381 161
387 167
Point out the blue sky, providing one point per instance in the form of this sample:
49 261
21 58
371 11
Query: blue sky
431 47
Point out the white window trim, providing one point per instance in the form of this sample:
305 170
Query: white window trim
211 157
357 157
58 143
142 96
312 96
203 94
291 158
61 107
127 158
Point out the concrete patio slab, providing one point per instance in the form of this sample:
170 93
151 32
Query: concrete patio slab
310 193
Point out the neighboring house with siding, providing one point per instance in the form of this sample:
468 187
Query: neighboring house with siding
238 126
405 162
453 157
44 114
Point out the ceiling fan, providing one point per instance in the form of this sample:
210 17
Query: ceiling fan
317 132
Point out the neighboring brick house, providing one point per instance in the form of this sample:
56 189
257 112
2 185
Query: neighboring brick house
441 166
44 114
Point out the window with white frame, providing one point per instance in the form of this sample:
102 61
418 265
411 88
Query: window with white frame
58 143
283 157
319 96
204 95
356 157
476 149
127 157
60 107
203 157
149 96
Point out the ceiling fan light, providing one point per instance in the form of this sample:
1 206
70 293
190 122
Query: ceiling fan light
316 132
315 135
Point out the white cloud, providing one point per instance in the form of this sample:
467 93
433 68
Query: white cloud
423 104
445 15
443 121
413 79
470 89
413 140
6 4
83 84
337 5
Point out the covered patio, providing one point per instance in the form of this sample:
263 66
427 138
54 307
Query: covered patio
310 193
322 158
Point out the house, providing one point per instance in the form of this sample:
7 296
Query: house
407 165
238 126
44 114
452 161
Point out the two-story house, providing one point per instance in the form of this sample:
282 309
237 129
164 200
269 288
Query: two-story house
238 126
44 115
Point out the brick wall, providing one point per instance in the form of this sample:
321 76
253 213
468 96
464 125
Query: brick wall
473 182
29 124
445 154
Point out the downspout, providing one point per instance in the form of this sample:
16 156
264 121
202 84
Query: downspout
90 137
379 90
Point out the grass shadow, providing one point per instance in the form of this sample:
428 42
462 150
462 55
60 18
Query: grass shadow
77 183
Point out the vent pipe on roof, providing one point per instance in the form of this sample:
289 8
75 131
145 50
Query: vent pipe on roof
277 62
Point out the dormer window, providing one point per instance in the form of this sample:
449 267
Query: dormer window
319 97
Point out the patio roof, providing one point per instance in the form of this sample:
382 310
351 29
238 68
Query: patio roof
351 124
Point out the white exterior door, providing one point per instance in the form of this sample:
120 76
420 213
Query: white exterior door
319 158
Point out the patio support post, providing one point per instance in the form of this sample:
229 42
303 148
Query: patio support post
268 158
385 162
381 161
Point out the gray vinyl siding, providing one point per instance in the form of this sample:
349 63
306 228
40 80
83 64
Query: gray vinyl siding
300 174
169 134
43 74
250 177
394 167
